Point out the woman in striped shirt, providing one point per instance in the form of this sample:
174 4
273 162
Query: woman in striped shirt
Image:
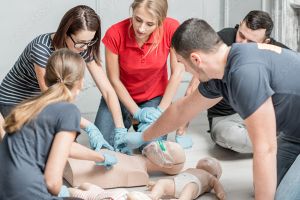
79 31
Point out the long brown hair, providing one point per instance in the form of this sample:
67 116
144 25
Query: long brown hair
76 19
159 9
64 70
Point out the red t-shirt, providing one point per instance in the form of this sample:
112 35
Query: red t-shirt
144 77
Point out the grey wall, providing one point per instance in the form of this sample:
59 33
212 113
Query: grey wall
21 21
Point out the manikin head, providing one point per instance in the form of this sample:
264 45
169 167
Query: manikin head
170 161
194 41
255 27
210 165
164 153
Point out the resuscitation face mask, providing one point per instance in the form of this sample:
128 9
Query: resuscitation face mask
158 153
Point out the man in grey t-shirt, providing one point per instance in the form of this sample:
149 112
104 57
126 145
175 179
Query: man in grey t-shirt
261 82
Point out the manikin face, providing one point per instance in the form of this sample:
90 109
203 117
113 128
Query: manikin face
194 66
245 35
143 23
81 40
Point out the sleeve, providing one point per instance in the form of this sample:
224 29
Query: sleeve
111 40
228 35
87 56
39 54
249 87
210 89
69 119
170 26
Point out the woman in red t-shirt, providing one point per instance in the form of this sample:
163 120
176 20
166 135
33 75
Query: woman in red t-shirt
137 51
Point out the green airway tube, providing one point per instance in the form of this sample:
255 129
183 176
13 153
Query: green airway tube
161 145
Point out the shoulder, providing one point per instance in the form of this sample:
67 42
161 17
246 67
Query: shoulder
64 108
42 43
274 42
228 35
170 23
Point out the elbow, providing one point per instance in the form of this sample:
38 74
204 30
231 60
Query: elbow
53 186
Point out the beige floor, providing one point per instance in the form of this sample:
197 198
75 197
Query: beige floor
237 168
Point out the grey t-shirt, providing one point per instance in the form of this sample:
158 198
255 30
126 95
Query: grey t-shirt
252 75
23 155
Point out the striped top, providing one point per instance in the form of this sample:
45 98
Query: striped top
21 82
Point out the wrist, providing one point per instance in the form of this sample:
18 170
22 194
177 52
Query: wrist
88 127
160 109
136 113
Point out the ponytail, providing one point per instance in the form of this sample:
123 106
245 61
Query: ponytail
64 70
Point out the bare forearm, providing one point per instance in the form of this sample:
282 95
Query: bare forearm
114 107
125 97
171 89
179 113
81 152
264 167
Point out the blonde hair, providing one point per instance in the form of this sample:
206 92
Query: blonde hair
159 9
64 70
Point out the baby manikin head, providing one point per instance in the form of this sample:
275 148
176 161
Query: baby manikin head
164 153
210 165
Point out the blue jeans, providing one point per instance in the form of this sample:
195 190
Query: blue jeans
105 123
289 187
287 151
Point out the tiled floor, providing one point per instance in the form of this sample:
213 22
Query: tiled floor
237 168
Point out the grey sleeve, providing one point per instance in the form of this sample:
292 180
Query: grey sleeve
249 87
210 89
69 119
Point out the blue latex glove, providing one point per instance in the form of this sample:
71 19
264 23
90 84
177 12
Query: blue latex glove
147 114
185 141
109 161
132 140
64 192
125 150
96 138
143 126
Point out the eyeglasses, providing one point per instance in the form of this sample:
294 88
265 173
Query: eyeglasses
79 45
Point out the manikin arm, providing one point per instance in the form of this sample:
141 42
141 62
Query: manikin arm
218 188
161 188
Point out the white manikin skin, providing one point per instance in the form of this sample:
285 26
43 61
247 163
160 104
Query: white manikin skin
130 171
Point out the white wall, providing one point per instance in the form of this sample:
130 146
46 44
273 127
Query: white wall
21 21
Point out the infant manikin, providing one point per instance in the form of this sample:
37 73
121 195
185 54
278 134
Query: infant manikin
88 191
187 185
130 171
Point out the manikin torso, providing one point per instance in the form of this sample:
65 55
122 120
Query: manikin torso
130 171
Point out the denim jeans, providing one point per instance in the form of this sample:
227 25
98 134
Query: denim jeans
289 187
288 150
105 123
5 109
